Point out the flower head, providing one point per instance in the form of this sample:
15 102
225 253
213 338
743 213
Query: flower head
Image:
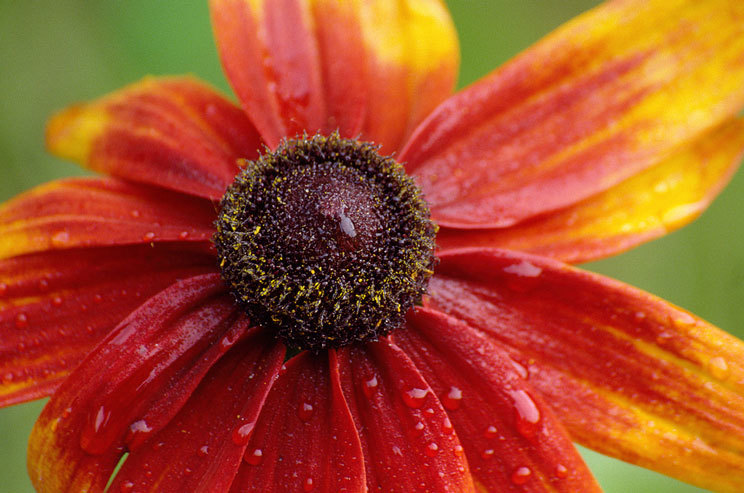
250 300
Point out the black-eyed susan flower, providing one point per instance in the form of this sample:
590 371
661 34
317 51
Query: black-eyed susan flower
252 299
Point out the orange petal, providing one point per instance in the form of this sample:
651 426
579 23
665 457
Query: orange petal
95 212
628 374
606 96
318 65
174 132
646 206
56 306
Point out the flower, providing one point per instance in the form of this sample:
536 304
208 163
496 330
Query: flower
617 127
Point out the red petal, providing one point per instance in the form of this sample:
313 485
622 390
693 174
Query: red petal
308 65
305 439
650 204
95 212
175 132
406 438
56 306
604 97
202 447
628 374
131 384
512 440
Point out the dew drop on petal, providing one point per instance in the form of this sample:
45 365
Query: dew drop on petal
43 285
308 485
453 399
415 397
149 236
305 412
3 288
447 426
488 453
521 370
21 320
127 486
60 239
528 416
718 368
561 471
254 458
204 450
459 450
242 434
370 386
57 301
491 432
521 475
183 235
135 213
432 449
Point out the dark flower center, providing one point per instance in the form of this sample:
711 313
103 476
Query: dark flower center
325 242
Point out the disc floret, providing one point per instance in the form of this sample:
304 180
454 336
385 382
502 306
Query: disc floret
325 242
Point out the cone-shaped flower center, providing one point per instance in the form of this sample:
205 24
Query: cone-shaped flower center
325 241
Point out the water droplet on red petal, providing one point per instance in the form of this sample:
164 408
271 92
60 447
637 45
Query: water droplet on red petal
415 397
527 414
561 471
21 320
305 411
432 449
453 399
242 434
254 458
521 475
308 485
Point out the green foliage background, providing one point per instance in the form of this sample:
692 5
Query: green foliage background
55 52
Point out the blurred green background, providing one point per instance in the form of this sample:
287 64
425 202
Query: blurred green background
54 52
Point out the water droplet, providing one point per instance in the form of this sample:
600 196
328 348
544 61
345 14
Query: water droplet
8 377
97 298
254 458
183 235
21 320
127 486
521 475
308 485
135 213
102 417
523 269
432 449
242 434
447 426
187 471
397 450
491 432
459 450
718 368
453 399
305 411
149 236
488 453
139 426
60 239
57 301
3 288
561 471
369 387
521 370
43 284
415 397
204 450
66 413
528 416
